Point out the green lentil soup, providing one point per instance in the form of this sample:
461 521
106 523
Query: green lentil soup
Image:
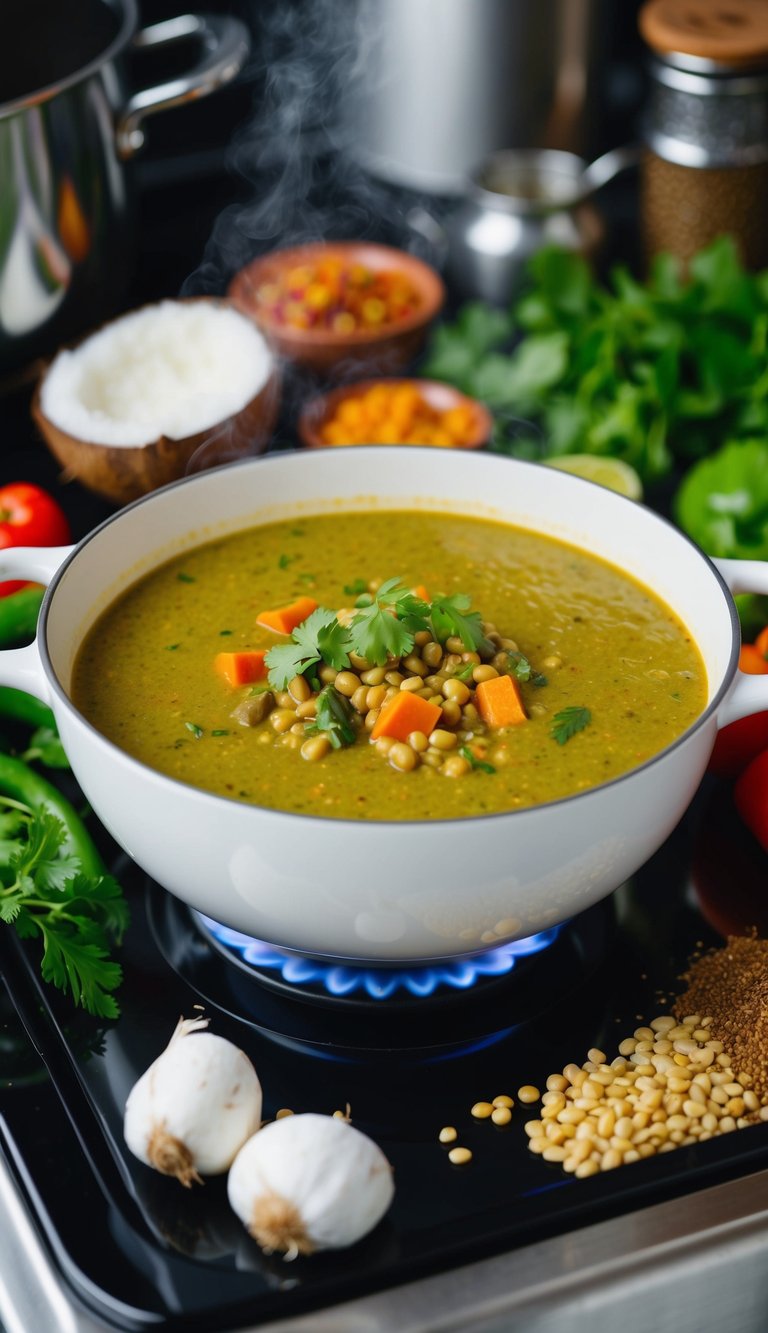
455 611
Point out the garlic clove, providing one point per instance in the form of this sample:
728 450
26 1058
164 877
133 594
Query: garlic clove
194 1108
309 1182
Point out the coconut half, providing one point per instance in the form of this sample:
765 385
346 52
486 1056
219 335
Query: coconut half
166 390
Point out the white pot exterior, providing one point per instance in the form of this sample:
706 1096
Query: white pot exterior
332 888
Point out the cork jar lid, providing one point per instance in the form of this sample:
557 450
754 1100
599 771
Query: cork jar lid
733 33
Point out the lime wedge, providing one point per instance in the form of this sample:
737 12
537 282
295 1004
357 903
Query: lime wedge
611 472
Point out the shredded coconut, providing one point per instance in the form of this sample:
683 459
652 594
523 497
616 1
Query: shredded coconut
173 369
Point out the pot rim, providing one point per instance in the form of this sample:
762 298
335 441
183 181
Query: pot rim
308 820
39 96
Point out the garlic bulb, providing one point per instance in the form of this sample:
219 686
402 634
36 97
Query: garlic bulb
309 1182
195 1106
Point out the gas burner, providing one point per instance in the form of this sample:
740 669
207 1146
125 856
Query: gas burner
341 979
476 1009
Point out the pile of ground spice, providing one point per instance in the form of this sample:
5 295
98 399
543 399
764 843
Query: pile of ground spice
730 984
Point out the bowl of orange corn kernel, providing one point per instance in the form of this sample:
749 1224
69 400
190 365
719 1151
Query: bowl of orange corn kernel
395 411
334 306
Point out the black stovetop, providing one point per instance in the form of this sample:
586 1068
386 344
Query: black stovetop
134 1247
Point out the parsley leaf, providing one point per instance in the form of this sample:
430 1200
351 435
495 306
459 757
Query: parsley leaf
45 894
335 717
318 638
447 618
473 760
568 722
521 669
355 588
386 627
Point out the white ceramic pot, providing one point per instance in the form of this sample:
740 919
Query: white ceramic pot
333 888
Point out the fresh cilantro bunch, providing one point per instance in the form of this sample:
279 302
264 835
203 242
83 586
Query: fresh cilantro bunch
657 372
45 894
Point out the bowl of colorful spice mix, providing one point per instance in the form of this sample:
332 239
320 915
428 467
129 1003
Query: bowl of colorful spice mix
334 306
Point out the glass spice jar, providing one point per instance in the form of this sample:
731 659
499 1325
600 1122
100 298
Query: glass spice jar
704 171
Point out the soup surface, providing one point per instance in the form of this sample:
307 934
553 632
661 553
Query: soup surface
605 673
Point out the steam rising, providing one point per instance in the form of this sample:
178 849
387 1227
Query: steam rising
301 180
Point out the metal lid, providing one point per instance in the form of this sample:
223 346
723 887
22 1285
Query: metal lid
730 34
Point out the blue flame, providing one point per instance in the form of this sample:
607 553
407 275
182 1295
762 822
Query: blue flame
380 983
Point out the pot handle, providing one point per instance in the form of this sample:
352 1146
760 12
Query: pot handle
23 667
749 693
226 44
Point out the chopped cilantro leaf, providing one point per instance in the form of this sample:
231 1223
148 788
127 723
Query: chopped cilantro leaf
334 717
196 731
185 578
285 560
318 638
568 722
224 632
354 588
171 647
447 616
376 633
220 731
473 760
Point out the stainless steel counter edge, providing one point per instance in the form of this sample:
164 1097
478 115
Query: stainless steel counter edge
695 1264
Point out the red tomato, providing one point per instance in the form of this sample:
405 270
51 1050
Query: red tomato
738 744
29 516
751 797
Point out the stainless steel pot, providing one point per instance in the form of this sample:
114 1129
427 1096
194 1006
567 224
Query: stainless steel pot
438 85
68 124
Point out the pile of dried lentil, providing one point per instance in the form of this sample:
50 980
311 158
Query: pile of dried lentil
685 1077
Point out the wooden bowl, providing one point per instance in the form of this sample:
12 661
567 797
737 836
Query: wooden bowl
385 349
121 473
318 411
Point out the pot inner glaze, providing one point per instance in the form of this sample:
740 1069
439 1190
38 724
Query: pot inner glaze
30 63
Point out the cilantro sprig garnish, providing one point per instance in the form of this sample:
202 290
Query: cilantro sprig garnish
568 722
44 893
384 626
521 669
319 638
387 627
334 717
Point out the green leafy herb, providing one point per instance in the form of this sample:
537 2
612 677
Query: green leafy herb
285 560
355 588
45 745
568 722
521 669
447 617
318 638
196 731
365 599
335 717
657 372
225 632
220 731
388 625
308 578
473 760
466 672
44 893
185 578
171 647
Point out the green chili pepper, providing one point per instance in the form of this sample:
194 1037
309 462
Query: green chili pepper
21 707
18 615
23 784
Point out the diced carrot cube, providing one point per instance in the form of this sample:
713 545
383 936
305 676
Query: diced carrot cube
500 702
284 619
405 713
752 660
420 591
241 668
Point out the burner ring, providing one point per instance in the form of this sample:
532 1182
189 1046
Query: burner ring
341 979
